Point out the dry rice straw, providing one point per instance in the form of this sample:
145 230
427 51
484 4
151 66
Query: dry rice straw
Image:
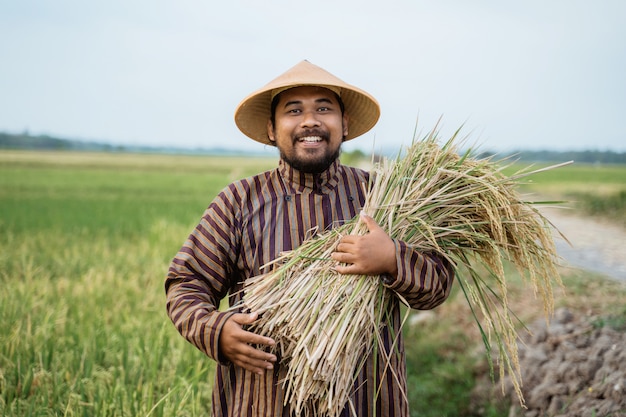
434 199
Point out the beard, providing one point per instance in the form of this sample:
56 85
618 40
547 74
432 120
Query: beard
312 165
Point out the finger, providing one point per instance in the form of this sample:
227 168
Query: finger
344 247
253 354
241 318
255 366
369 222
348 240
343 257
249 337
250 358
254 360
346 269
339 248
243 336
255 339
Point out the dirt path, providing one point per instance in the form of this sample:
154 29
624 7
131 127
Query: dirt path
595 245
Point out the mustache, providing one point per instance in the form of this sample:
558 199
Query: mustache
312 132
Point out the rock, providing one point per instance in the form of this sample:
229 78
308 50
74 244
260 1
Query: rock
563 316
571 368
556 405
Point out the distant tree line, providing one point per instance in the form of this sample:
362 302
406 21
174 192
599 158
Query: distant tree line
591 156
45 142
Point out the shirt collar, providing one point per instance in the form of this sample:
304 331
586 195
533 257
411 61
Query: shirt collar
302 181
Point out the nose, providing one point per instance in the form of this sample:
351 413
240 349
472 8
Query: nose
310 119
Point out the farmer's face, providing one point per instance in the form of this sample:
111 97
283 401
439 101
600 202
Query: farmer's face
308 128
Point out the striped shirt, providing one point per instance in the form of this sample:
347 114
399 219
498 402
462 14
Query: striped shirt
246 226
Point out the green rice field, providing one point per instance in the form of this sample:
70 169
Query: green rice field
86 239
597 190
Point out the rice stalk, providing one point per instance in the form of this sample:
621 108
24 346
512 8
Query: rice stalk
435 200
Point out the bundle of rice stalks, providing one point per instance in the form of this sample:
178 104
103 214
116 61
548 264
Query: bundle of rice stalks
434 199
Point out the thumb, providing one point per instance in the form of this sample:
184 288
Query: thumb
369 222
241 318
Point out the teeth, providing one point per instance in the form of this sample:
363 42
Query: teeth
311 139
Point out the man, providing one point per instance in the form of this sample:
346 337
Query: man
307 113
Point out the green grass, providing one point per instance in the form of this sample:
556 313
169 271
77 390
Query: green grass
576 177
85 243
439 370
597 190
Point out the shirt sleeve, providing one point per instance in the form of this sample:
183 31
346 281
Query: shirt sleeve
424 280
200 275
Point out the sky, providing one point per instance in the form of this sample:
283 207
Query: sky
534 75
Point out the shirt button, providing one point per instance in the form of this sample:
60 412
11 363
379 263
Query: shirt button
287 198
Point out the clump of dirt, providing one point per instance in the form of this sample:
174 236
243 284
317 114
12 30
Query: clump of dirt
575 367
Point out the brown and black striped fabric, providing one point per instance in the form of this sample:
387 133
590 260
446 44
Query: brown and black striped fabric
247 225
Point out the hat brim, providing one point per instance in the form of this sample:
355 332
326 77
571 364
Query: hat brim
254 111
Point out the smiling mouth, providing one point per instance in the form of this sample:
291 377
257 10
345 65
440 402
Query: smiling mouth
311 139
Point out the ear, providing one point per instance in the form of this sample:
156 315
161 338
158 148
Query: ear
270 131
346 119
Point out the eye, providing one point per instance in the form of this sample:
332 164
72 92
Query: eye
323 109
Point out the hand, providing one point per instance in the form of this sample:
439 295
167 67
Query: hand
371 254
234 344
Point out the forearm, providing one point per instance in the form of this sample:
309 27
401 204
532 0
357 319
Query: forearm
195 315
424 280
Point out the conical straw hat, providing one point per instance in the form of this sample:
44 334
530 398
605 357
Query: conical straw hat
253 112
